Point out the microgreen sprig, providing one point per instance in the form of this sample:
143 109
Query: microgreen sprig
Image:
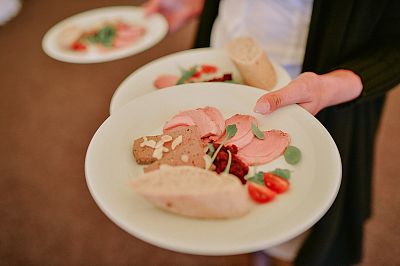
257 178
230 132
228 165
186 74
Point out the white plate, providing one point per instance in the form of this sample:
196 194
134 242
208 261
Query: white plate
156 28
141 81
110 165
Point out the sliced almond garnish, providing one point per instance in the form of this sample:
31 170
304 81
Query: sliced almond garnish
149 143
158 152
176 142
166 138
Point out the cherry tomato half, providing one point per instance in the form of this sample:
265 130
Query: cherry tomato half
276 183
208 69
78 46
260 193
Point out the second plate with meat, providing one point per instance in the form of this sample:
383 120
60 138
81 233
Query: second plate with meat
104 34
215 62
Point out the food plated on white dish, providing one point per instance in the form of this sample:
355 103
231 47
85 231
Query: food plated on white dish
199 165
195 65
104 34
111 168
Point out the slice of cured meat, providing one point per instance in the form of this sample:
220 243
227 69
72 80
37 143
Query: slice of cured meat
205 125
166 80
244 135
127 34
263 151
217 118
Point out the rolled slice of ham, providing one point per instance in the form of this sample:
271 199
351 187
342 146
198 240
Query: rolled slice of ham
166 80
194 192
217 118
205 125
244 135
266 150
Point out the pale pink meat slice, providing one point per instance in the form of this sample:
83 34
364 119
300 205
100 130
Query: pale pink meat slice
206 127
129 32
166 80
217 118
120 43
127 35
244 135
243 141
178 121
263 151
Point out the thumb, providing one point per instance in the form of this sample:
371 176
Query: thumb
268 103
294 92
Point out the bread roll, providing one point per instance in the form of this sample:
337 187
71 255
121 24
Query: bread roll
252 63
194 192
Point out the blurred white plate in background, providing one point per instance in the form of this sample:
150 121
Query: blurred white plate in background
156 27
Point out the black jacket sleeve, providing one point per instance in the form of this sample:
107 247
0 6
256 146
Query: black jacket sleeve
359 35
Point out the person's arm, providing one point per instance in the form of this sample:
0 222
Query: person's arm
367 75
376 65
313 92
177 12
378 68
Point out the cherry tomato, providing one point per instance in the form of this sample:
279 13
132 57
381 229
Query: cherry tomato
208 69
197 74
78 46
260 193
276 183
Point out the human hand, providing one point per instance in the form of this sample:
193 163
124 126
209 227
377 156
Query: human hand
177 12
313 92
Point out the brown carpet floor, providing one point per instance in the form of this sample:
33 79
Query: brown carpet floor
49 112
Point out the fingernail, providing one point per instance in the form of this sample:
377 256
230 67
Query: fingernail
261 108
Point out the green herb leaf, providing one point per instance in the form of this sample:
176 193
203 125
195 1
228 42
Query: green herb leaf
284 173
257 178
186 74
104 36
211 149
230 132
228 165
292 155
257 132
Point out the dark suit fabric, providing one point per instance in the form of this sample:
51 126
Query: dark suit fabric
363 36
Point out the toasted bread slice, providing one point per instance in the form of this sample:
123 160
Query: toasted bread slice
194 192
143 148
144 154
190 151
